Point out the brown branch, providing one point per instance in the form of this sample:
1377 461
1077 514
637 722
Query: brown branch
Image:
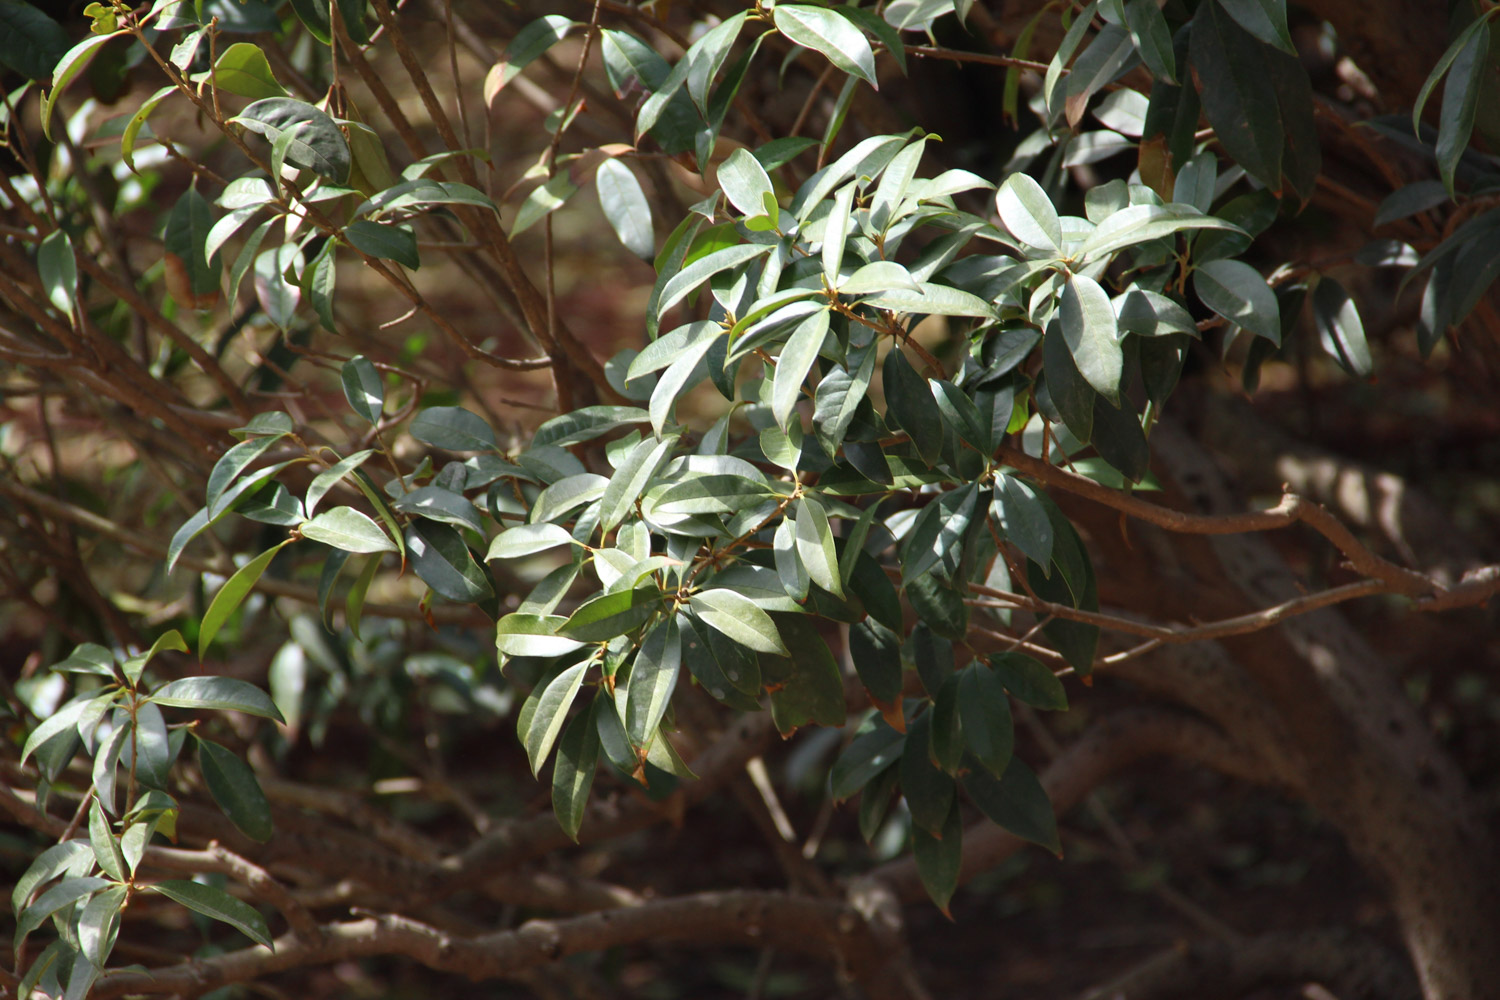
261 883
825 929
1238 625
1291 510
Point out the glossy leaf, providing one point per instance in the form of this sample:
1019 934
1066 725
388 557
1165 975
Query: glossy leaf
573 774
236 790
738 618
528 44
795 362
444 562
1341 329
66 892
550 713
318 144
217 693
1088 324
1027 212
911 405
217 905
526 634
823 31
243 69
230 596
453 428
653 678
1029 680
1466 79
349 530
1023 518
1017 802
939 857
601 618
626 208
872 751
1237 292
928 789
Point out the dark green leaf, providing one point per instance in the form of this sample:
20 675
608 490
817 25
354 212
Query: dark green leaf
928 789
1265 19
940 605
573 774
236 790
1471 67
1030 681
1023 518
1068 391
870 753
1153 39
939 857
318 145
1340 327
229 597
453 428
186 237
528 43
876 652
438 504
385 240
805 685
1017 802
1239 98
363 388
910 403
106 847
549 712
444 562
31 43
226 694
608 615
1237 292
67 891
218 905
989 731
653 678
1119 439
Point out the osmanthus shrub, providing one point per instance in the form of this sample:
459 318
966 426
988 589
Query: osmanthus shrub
845 480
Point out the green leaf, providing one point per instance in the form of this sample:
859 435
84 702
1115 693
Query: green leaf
1342 331
928 789
444 562
73 62
1088 325
186 238
745 182
453 428
1030 680
217 905
788 566
385 240
54 261
236 790
228 468
712 494
551 712
133 666
527 539
1152 38
1017 802
1265 19
815 547
1466 78
331 476
933 300
870 753
1023 518
347 529
31 43
528 44
738 618
910 404
59 722
823 31
836 232
700 270
66 892
138 121
533 635
54 861
706 57
217 693
601 618
573 774
106 847
229 597
1144 223
1239 97
363 388
1237 292
940 605
98 926
630 479
628 211
319 145
88 658
795 361
876 653
806 686
653 678
243 69
1027 212
989 731
939 857
354 601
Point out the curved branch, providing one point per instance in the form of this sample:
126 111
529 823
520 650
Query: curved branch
819 928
